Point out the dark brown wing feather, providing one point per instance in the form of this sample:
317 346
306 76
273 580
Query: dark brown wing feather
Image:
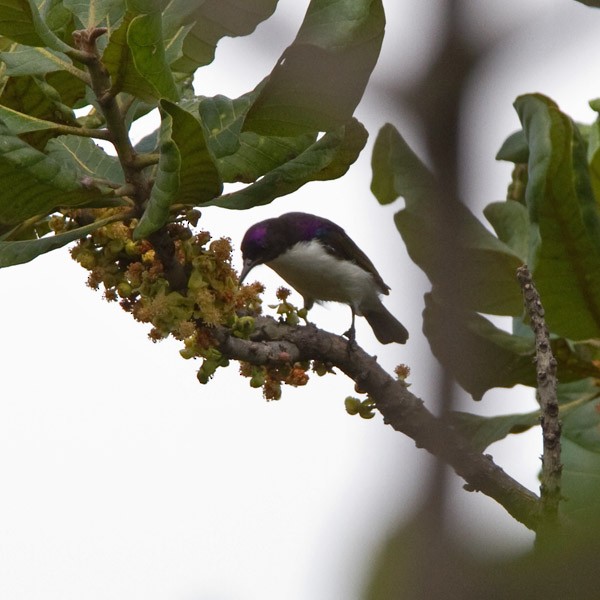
339 244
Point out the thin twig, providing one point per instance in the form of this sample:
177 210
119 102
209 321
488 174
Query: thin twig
273 343
550 488
99 134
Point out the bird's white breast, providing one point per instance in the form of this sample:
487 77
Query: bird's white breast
318 275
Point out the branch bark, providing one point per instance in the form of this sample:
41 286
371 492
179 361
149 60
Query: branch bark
550 488
274 343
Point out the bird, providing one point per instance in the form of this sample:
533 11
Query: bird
320 261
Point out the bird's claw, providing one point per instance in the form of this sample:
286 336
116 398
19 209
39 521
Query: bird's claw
351 335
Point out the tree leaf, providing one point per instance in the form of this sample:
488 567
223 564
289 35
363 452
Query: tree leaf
593 152
22 251
199 177
244 156
287 178
514 149
212 20
35 97
38 184
85 157
486 281
19 123
20 21
135 56
145 41
510 221
565 239
166 186
354 140
490 357
39 98
320 79
482 431
92 13
580 457
26 60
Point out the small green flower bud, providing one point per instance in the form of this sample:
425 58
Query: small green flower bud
352 405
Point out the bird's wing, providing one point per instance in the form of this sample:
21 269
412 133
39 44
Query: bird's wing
339 244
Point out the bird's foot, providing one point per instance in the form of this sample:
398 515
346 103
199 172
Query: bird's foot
351 335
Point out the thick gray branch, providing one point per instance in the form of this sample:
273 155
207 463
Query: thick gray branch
274 343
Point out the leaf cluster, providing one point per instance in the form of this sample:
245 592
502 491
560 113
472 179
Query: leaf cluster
549 221
75 72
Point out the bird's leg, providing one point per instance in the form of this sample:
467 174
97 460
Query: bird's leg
351 333
303 312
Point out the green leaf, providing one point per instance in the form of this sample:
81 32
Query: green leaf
398 171
287 178
135 57
26 60
486 281
91 13
580 457
199 177
85 157
483 431
166 187
223 118
38 184
514 149
320 79
244 156
211 20
37 98
174 42
20 21
565 227
580 482
16 253
354 140
19 123
145 41
510 221
490 357
593 153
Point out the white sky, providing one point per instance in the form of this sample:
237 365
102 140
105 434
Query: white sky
122 477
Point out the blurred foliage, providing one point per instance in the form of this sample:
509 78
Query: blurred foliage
416 563
550 221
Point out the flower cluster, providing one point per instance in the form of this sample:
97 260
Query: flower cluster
270 378
131 272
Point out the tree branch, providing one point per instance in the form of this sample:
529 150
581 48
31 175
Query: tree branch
85 40
131 163
550 494
274 343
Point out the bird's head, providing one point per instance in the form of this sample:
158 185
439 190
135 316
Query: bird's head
263 242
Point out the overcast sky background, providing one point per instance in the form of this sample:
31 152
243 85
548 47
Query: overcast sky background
122 477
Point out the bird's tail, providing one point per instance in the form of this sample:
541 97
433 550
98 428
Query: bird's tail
385 326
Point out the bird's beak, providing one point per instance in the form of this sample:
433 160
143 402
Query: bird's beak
248 266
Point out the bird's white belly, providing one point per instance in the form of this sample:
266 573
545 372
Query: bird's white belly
318 275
